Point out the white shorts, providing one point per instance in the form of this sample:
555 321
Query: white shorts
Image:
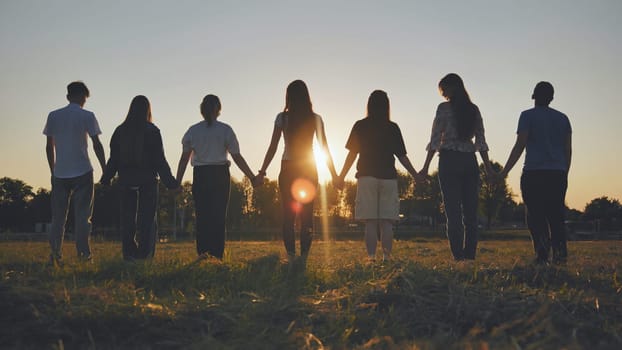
376 199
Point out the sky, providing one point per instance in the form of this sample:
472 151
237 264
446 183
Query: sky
246 52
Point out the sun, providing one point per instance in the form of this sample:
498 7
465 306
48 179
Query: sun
320 161
338 155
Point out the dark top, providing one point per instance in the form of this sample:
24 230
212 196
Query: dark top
298 135
547 131
138 157
376 142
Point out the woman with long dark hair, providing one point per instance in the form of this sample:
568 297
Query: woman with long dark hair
136 153
457 122
298 178
376 140
208 143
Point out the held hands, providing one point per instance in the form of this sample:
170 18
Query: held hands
258 180
422 175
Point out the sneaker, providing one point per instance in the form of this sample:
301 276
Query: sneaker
203 256
55 260
560 261
85 258
370 260
540 262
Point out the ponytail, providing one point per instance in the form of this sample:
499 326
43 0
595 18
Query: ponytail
209 105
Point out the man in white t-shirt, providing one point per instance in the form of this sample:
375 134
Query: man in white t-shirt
67 130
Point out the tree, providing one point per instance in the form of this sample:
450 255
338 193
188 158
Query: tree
238 203
405 185
349 199
14 198
606 212
106 214
266 205
428 200
184 210
492 194
39 208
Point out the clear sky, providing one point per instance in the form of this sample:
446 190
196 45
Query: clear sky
246 52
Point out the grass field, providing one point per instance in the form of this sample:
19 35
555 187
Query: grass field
420 300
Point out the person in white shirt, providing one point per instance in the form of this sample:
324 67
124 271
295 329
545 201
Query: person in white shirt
67 130
208 143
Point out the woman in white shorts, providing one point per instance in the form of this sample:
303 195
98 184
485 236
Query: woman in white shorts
376 140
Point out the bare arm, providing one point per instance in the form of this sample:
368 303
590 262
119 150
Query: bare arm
321 136
99 152
486 160
408 165
49 152
241 163
347 164
569 150
183 163
426 165
517 151
274 143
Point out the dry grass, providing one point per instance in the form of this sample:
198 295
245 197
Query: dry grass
420 300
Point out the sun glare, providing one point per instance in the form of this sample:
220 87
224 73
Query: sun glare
303 190
320 162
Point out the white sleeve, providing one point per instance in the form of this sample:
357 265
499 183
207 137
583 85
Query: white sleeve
233 147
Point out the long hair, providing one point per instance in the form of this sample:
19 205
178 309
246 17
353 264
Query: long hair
298 107
132 138
464 111
378 106
209 105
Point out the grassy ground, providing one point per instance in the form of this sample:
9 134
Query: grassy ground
420 300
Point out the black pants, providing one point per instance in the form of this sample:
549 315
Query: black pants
210 190
138 220
544 194
290 172
458 176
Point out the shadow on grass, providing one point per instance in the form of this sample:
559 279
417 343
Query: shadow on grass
263 303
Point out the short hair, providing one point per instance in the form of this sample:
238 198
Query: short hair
77 88
543 92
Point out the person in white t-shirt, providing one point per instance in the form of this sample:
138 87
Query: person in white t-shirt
208 143
67 130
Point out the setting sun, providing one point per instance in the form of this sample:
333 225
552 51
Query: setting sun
320 161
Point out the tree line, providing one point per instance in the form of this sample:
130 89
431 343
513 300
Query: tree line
253 210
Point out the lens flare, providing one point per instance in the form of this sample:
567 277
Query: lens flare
303 190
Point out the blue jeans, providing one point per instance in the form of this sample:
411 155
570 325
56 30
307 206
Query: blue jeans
458 176
138 220
78 190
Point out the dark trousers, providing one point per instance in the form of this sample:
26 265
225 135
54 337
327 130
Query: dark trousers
79 190
458 175
138 220
290 172
210 190
544 194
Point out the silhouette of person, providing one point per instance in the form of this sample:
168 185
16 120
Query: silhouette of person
137 155
208 143
457 122
298 178
376 140
67 129
546 135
